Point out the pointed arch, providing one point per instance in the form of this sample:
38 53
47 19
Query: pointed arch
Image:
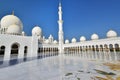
101 48
25 51
93 48
117 49
86 48
14 50
111 48
2 50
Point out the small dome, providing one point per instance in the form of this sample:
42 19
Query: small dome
50 36
55 42
47 41
66 41
74 40
8 20
82 38
39 38
37 31
94 37
23 33
14 29
111 33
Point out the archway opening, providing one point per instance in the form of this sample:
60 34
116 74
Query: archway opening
38 50
111 48
14 51
86 48
80 48
117 49
2 52
25 51
101 48
93 48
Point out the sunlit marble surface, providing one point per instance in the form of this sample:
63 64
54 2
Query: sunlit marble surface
53 68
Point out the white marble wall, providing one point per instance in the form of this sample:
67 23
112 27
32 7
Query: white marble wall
7 41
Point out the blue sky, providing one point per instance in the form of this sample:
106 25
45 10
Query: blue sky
81 17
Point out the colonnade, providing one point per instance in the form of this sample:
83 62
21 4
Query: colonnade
107 52
47 51
14 51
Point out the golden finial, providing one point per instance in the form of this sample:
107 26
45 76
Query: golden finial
12 12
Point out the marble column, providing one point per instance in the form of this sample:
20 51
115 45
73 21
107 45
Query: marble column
7 53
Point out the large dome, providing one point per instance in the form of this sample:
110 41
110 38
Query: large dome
82 38
111 33
66 41
73 40
14 29
37 31
94 37
8 20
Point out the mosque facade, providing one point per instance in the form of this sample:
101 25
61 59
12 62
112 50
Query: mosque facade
14 43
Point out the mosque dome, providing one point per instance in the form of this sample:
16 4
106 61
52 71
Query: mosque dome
94 37
73 40
66 41
8 20
23 33
82 38
111 33
37 31
14 29
47 41
55 42
50 36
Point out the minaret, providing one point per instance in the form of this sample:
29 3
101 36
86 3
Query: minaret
60 33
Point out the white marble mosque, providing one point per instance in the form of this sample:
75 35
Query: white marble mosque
14 43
